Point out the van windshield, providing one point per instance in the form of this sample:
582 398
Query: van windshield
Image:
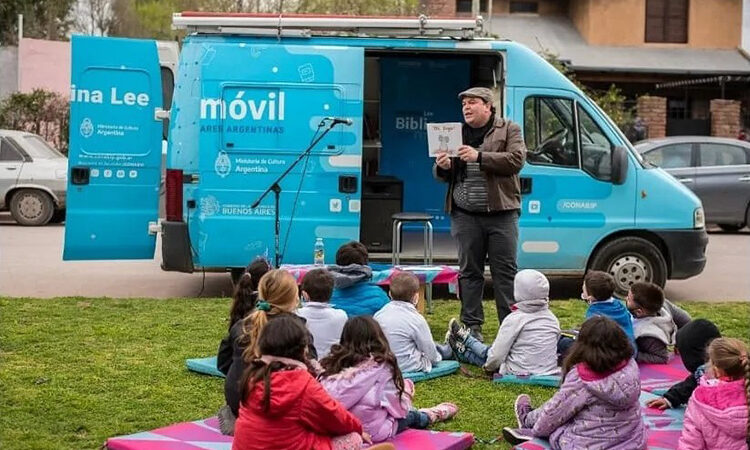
38 148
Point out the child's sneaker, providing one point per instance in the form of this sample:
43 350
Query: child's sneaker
522 407
516 436
456 330
441 412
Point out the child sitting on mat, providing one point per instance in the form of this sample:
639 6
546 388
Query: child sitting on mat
717 413
324 321
597 405
598 291
283 406
243 302
655 322
526 343
692 341
361 372
277 293
407 331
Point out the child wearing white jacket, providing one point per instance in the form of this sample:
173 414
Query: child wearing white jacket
526 343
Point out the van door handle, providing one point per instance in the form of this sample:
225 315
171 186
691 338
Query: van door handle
744 179
685 180
525 185
79 175
11 168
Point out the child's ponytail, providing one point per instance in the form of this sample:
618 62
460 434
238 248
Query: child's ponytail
730 355
277 293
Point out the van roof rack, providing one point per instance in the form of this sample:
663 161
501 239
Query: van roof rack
304 25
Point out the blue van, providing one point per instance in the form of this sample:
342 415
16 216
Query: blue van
253 93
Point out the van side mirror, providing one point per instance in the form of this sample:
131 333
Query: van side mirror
619 165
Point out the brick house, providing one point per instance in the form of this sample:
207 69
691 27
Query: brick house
683 58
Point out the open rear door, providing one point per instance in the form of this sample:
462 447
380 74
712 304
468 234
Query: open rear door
115 149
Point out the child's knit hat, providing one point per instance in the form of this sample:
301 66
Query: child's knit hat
530 285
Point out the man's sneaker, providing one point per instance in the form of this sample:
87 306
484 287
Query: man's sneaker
522 407
476 332
516 436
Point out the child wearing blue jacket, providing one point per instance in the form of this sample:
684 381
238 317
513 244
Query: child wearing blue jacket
353 292
598 291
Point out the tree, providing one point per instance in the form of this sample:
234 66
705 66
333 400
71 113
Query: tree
93 17
42 112
42 19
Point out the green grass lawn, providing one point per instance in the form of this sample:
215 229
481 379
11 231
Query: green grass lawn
76 371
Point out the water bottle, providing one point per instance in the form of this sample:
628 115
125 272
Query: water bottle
319 254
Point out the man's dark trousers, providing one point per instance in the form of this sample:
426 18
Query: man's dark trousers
478 236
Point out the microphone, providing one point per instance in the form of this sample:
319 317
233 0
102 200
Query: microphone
336 120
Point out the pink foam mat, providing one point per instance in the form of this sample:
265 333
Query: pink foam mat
205 434
657 378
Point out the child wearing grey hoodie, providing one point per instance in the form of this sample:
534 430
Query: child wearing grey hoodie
526 343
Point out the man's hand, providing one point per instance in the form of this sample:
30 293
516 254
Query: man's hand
468 153
658 403
443 161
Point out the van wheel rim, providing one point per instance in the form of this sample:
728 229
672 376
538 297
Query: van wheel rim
30 207
630 269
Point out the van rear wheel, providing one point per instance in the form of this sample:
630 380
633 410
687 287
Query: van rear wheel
630 260
31 207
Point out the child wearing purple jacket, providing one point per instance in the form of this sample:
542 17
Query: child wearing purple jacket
361 373
597 405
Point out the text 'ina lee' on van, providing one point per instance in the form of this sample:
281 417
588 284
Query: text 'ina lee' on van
251 92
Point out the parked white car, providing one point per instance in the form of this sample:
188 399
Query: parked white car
33 178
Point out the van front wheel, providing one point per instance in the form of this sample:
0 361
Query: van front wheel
630 260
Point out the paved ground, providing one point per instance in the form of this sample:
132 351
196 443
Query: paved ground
31 266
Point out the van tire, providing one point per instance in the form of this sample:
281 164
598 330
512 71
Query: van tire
629 260
31 207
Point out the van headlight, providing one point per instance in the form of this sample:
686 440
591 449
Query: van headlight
699 219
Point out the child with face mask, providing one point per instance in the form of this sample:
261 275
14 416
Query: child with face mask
655 322
598 291
407 331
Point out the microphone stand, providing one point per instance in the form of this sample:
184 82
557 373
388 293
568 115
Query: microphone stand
276 188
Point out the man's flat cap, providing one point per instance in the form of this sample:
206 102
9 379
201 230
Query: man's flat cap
478 92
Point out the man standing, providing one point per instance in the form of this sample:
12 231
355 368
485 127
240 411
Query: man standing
484 201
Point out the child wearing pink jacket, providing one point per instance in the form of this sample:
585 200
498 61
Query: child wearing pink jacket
717 413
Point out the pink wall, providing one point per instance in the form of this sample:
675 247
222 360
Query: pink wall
44 64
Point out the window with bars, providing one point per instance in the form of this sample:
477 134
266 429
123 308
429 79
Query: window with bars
667 21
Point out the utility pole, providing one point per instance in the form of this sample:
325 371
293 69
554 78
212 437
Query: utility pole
475 8
18 54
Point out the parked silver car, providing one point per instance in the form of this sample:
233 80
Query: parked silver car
716 169
33 178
